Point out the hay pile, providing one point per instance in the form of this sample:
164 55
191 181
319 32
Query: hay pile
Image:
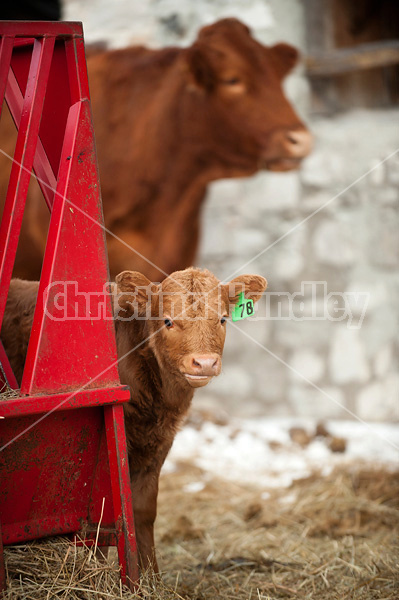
57 568
7 392
323 538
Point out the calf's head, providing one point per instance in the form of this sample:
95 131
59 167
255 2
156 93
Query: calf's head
186 317
248 118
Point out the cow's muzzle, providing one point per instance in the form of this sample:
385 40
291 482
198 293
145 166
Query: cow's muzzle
298 143
287 148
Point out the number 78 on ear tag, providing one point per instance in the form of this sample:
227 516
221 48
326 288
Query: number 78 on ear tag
243 309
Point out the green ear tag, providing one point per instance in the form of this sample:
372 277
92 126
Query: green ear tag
243 309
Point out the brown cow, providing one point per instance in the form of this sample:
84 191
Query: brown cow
167 123
178 328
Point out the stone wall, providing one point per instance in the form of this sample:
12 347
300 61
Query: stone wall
335 222
351 246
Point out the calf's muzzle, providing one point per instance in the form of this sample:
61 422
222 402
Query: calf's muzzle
201 367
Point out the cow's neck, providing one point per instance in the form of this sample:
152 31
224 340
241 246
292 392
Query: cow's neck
163 224
159 212
170 168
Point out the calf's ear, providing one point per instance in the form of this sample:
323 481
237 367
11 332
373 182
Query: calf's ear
201 75
284 57
253 287
134 293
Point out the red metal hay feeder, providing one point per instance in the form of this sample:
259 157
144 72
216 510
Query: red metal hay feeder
62 440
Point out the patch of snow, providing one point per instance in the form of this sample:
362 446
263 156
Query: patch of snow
260 451
194 487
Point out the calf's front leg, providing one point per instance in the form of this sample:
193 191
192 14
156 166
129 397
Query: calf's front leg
145 493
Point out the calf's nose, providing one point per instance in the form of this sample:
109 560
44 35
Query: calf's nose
205 364
298 142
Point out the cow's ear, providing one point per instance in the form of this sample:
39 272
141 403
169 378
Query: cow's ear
253 287
201 75
134 293
284 58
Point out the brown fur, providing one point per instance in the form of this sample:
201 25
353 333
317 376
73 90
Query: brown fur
160 365
17 322
167 123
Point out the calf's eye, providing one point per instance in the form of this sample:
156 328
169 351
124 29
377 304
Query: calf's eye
168 323
223 320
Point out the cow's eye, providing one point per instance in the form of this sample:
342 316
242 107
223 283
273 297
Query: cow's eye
231 81
223 320
168 323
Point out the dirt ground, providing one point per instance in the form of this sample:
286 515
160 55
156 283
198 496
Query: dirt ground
323 538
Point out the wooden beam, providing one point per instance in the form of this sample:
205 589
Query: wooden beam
345 60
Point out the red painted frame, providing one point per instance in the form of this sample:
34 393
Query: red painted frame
62 440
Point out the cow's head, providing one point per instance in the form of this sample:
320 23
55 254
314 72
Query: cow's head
238 81
185 317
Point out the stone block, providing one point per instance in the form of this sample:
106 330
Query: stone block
347 360
287 255
223 194
297 334
383 360
379 400
234 381
333 244
381 328
244 336
289 263
321 168
393 170
246 242
267 192
270 376
215 239
366 293
377 174
309 364
387 195
317 200
384 249
306 401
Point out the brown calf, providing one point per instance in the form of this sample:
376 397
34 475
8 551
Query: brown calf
167 123
170 339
